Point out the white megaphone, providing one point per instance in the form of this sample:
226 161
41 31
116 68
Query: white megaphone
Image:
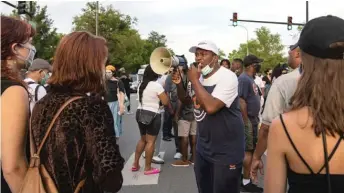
161 60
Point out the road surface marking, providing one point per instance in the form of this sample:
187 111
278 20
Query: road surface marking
138 178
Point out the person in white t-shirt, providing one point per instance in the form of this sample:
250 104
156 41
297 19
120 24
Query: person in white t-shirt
150 93
261 86
36 78
156 156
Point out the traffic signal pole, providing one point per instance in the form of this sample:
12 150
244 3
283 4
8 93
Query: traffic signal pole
16 7
289 23
10 4
269 22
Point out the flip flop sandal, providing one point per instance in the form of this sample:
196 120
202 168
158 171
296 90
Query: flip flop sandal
152 171
135 169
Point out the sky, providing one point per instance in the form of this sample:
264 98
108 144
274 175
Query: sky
187 22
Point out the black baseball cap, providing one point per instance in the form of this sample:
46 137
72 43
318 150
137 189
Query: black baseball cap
319 34
252 59
293 47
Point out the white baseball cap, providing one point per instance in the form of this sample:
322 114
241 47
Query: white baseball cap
205 45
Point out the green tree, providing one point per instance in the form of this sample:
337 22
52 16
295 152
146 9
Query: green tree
46 38
126 48
156 39
153 41
171 51
267 46
222 54
124 43
299 28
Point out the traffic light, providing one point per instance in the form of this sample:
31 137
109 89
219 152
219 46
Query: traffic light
21 7
290 23
235 19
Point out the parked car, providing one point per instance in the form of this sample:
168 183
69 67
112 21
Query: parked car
134 83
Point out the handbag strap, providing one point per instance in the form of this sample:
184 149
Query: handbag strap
79 186
50 126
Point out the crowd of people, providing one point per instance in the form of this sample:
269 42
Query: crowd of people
223 116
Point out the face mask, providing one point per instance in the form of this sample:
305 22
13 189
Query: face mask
207 69
108 75
45 78
257 68
29 59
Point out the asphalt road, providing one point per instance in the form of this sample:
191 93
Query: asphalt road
170 180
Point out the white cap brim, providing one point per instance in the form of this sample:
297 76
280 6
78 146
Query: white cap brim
203 47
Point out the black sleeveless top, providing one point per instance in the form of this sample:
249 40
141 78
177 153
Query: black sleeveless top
313 182
5 84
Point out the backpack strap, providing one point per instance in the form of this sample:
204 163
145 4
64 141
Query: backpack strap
36 92
50 127
31 83
36 89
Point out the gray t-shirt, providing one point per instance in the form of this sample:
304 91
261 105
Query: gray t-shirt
187 111
281 91
248 90
171 89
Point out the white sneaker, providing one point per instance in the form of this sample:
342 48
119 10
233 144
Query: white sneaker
178 155
144 154
157 160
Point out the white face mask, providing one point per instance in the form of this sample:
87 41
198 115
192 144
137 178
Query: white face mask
207 69
29 58
108 75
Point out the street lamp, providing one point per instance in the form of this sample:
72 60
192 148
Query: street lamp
247 52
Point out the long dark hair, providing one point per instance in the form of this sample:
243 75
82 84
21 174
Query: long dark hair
148 76
320 88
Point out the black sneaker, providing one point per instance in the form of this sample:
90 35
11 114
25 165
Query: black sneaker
166 139
250 188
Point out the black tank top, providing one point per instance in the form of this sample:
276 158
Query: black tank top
313 182
5 84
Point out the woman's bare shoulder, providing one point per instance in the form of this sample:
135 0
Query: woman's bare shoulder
16 94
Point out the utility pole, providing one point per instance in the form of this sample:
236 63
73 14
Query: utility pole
307 11
31 9
97 10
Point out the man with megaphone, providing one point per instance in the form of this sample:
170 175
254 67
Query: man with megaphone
220 139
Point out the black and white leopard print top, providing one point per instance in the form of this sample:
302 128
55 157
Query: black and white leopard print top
82 143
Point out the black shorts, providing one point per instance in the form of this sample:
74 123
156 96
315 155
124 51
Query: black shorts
255 123
216 178
151 129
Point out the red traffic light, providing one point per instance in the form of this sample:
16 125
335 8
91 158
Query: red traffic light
290 20
290 23
235 17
